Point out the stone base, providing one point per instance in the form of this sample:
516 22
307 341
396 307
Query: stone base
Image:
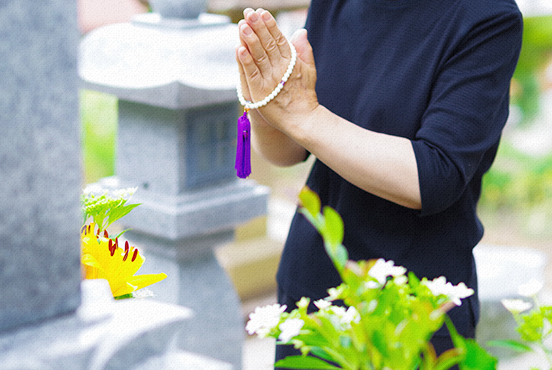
199 212
105 334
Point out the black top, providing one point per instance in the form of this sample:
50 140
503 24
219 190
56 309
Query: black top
438 73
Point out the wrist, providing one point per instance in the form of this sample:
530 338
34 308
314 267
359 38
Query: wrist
304 127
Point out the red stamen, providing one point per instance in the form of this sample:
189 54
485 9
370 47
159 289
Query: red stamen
111 248
105 234
127 249
134 255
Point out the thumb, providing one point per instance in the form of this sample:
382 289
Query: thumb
303 46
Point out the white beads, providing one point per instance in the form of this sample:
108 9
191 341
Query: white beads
250 105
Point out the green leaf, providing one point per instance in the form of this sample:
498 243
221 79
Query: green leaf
125 296
304 362
448 359
310 201
475 357
510 344
334 226
320 352
338 255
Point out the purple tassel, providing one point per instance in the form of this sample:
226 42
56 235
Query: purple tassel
243 151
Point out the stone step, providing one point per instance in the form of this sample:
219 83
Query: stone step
251 265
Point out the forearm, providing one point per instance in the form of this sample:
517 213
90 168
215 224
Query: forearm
380 164
273 145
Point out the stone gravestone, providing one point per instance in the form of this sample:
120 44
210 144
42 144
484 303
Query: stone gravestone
40 174
43 324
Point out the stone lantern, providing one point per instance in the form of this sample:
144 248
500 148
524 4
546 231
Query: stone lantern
175 79
179 9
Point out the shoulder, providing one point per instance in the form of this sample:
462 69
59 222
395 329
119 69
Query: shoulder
476 19
489 9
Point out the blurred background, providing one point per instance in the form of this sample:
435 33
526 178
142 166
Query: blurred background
516 203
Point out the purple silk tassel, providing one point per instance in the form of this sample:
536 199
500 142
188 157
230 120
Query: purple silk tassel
243 151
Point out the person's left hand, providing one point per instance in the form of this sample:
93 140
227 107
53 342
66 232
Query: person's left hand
263 57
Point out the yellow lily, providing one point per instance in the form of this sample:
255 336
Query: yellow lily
102 258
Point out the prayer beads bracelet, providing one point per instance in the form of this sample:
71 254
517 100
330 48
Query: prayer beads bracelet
250 105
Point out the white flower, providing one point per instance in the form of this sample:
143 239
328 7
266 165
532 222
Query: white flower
335 293
350 316
531 288
372 285
440 286
303 302
264 319
342 318
382 269
123 193
143 293
290 328
338 311
322 304
516 305
94 189
401 280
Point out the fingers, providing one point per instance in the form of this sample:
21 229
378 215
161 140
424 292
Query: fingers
277 35
250 74
272 42
255 48
243 81
303 47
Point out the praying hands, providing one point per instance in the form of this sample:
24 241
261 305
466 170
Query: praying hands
264 57
294 124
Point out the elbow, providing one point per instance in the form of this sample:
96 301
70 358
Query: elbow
284 158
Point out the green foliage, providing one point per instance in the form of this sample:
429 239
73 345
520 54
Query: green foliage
328 223
521 186
534 327
99 129
535 51
389 319
104 209
300 362
475 357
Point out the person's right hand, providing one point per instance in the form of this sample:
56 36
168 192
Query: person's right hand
263 58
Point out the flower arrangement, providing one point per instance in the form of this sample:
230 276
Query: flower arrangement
388 319
534 327
102 256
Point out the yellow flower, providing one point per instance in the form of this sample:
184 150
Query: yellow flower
102 258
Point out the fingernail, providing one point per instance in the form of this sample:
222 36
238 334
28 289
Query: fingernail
266 16
246 30
254 17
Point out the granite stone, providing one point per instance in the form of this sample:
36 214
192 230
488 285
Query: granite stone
134 334
40 172
176 144
179 8
171 67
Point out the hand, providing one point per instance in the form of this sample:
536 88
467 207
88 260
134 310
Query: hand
263 58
